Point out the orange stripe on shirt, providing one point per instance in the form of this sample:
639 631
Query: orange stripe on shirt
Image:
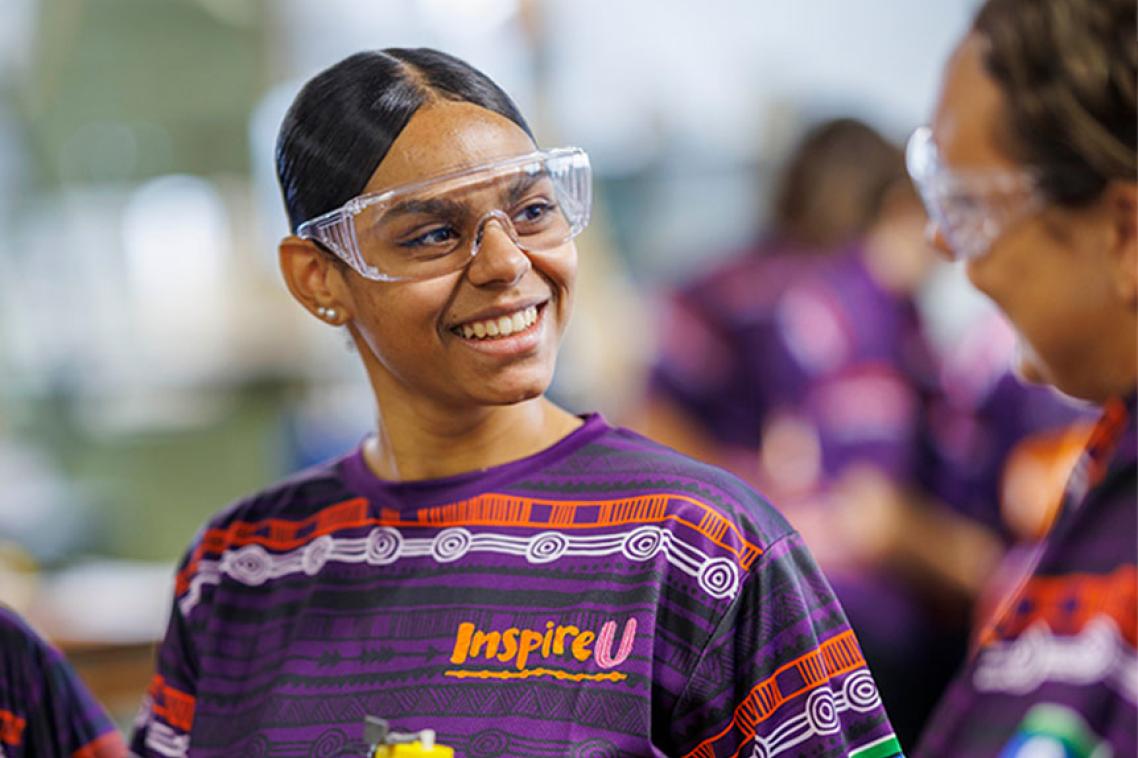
171 705
490 509
833 657
1067 603
11 728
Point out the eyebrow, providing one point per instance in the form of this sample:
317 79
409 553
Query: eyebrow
443 207
521 184
436 206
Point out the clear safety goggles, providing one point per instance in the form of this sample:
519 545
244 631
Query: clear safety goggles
436 226
970 208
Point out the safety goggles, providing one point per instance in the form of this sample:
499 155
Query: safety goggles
436 226
970 208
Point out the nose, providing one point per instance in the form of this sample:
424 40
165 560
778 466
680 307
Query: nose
497 257
936 239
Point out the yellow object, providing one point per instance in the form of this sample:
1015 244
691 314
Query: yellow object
413 750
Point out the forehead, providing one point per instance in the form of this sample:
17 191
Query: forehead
969 112
446 136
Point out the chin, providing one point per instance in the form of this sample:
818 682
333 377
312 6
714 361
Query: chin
516 390
511 396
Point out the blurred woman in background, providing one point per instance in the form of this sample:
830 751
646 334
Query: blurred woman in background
1029 173
520 579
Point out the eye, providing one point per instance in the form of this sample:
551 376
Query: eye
440 236
533 213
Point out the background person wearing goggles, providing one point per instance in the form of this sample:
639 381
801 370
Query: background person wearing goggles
519 579
1029 175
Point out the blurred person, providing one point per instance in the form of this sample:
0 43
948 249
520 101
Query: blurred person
522 580
701 399
804 367
1029 173
45 709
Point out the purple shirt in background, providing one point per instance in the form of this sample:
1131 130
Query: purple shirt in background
45 710
604 597
1057 672
809 335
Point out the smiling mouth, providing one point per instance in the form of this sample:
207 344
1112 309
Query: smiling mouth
500 326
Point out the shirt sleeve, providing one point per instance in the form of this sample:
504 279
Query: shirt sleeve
45 709
783 673
162 727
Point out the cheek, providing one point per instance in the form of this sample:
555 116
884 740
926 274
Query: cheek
1015 272
399 318
561 273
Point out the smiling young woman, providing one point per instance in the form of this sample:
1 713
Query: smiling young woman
521 580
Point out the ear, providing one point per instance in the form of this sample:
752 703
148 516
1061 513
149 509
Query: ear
1122 211
315 280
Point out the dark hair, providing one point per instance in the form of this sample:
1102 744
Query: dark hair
344 120
832 188
1069 72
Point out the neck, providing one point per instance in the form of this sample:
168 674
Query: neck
417 443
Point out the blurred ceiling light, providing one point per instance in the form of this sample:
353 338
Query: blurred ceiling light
468 18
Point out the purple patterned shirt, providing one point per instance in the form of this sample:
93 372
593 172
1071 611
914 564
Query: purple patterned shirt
1057 671
45 710
604 597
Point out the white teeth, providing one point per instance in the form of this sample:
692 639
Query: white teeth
503 326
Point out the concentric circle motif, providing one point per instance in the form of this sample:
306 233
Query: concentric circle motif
595 748
719 577
384 545
822 712
250 565
546 547
316 554
861 691
489 743
642 543
330 744
450 544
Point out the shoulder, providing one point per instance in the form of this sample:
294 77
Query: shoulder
284 515
16 634
291 497
624 464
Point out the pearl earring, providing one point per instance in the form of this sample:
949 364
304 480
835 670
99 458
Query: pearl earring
328 314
